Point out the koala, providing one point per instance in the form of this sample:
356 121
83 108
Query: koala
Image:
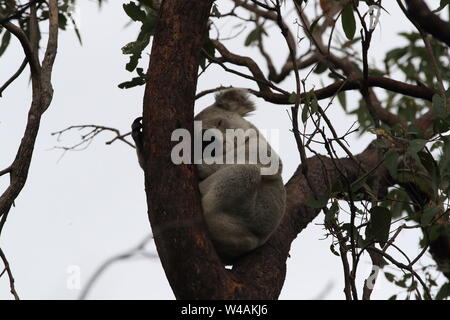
243 201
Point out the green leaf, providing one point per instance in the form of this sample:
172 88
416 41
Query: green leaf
5 42
379 224
135 48
320 68
331 214
402 283
314 105
292 98
333 250
416 145
428 215
422 182
62 21
342 98
254 35
215 11
349 229
75 28
305 113
348 21
136 81
210 50
444 292
431 166
396 54
413 286
149 26
134 12
438 230
389 276
391 162
317 203
438 105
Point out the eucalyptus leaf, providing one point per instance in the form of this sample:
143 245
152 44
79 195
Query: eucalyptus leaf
317 203
391 162
134 12
428 215
379 224
342 98
444 292
348 21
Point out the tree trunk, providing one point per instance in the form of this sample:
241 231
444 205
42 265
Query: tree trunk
187 255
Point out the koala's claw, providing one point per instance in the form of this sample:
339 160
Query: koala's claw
136 128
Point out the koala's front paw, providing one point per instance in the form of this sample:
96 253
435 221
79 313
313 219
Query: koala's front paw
136 130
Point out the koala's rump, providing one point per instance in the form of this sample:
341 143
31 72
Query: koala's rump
230 236
269 208
249 223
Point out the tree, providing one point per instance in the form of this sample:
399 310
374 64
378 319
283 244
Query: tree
400 182
399 155
41 71
29 17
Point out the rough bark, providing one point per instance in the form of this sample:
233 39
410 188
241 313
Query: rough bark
187 255
428 21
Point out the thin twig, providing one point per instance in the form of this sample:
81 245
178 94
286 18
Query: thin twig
14 76
138 250
86 139
10 275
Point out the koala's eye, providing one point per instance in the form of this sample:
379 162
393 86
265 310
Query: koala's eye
220 123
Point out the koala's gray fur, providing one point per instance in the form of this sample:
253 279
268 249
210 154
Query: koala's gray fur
242 208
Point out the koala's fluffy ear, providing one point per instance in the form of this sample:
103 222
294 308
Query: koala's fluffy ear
235 100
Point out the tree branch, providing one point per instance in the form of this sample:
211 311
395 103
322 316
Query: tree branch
428 21
263 84
27 47
14 76
10 275
138 250
42 96
355 84
272 16
87 138
52 46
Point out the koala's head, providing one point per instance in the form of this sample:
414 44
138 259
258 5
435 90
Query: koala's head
228 112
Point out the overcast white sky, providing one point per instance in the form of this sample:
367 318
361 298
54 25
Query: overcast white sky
78 210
